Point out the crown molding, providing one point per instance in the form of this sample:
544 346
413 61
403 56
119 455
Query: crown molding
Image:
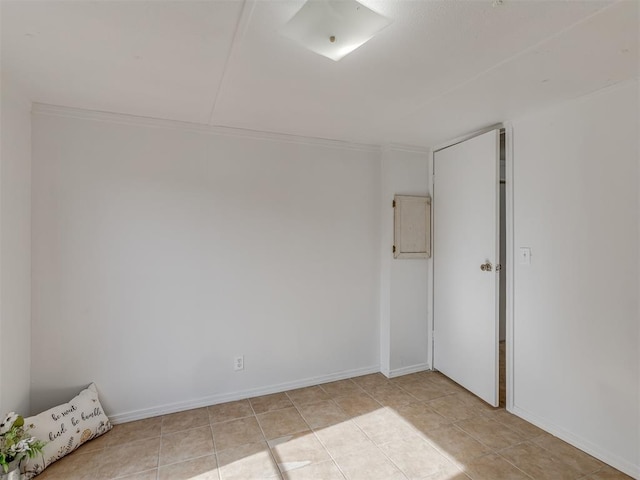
139 121
397 147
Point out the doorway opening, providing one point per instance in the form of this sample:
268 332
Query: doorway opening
466 253
502 350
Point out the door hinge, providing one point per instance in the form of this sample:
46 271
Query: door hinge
393 204
394 249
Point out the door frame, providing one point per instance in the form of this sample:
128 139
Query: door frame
510 252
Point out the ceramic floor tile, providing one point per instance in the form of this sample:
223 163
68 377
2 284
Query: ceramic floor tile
421 417
133 431
180 446
176 422
236 432
322 414
374 380
437 378
517 424
130 458
341 432
340 388
318 471
370 464
297 451
148 475
99 443
78 467
269 403
279 423
202 468
608 473
409 379
224 412
358 403
390 396
455 444
493 434
343 439
451 473
493 467
453 407
476 403
384 425
537 463
568 454
253 461
416 458
425 391
305 396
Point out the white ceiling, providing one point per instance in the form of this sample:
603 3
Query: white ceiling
442 69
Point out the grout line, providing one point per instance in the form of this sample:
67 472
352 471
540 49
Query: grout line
310 430
264 436
181 461
215 449
329 453
553 456
230 420
377 447
515 466
134 473
208 424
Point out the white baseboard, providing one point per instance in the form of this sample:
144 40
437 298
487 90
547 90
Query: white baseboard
398 372
239 395
585 445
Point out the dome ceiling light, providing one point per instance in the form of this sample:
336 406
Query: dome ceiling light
334 28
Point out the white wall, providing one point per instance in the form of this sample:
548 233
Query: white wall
403 299
15 251
576 310
160 253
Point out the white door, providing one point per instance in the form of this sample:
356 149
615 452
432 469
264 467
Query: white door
465 253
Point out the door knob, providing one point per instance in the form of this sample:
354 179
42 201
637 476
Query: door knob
486 267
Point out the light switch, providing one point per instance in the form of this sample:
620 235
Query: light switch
525 256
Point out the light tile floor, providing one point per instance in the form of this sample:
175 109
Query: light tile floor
419 426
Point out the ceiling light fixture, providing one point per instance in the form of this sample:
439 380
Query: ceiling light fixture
334 28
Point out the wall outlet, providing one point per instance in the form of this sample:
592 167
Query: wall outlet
238 363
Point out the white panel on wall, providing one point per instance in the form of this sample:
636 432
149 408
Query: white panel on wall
576 303
160 254
412 227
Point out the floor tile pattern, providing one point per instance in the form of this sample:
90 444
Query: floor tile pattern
421 426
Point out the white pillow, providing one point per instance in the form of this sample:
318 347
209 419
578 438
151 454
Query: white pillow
65 427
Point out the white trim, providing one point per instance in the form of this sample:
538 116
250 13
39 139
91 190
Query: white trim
467 136
430 182
134 120
607 457
384 264
398 372
407 148
239 395
510 268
